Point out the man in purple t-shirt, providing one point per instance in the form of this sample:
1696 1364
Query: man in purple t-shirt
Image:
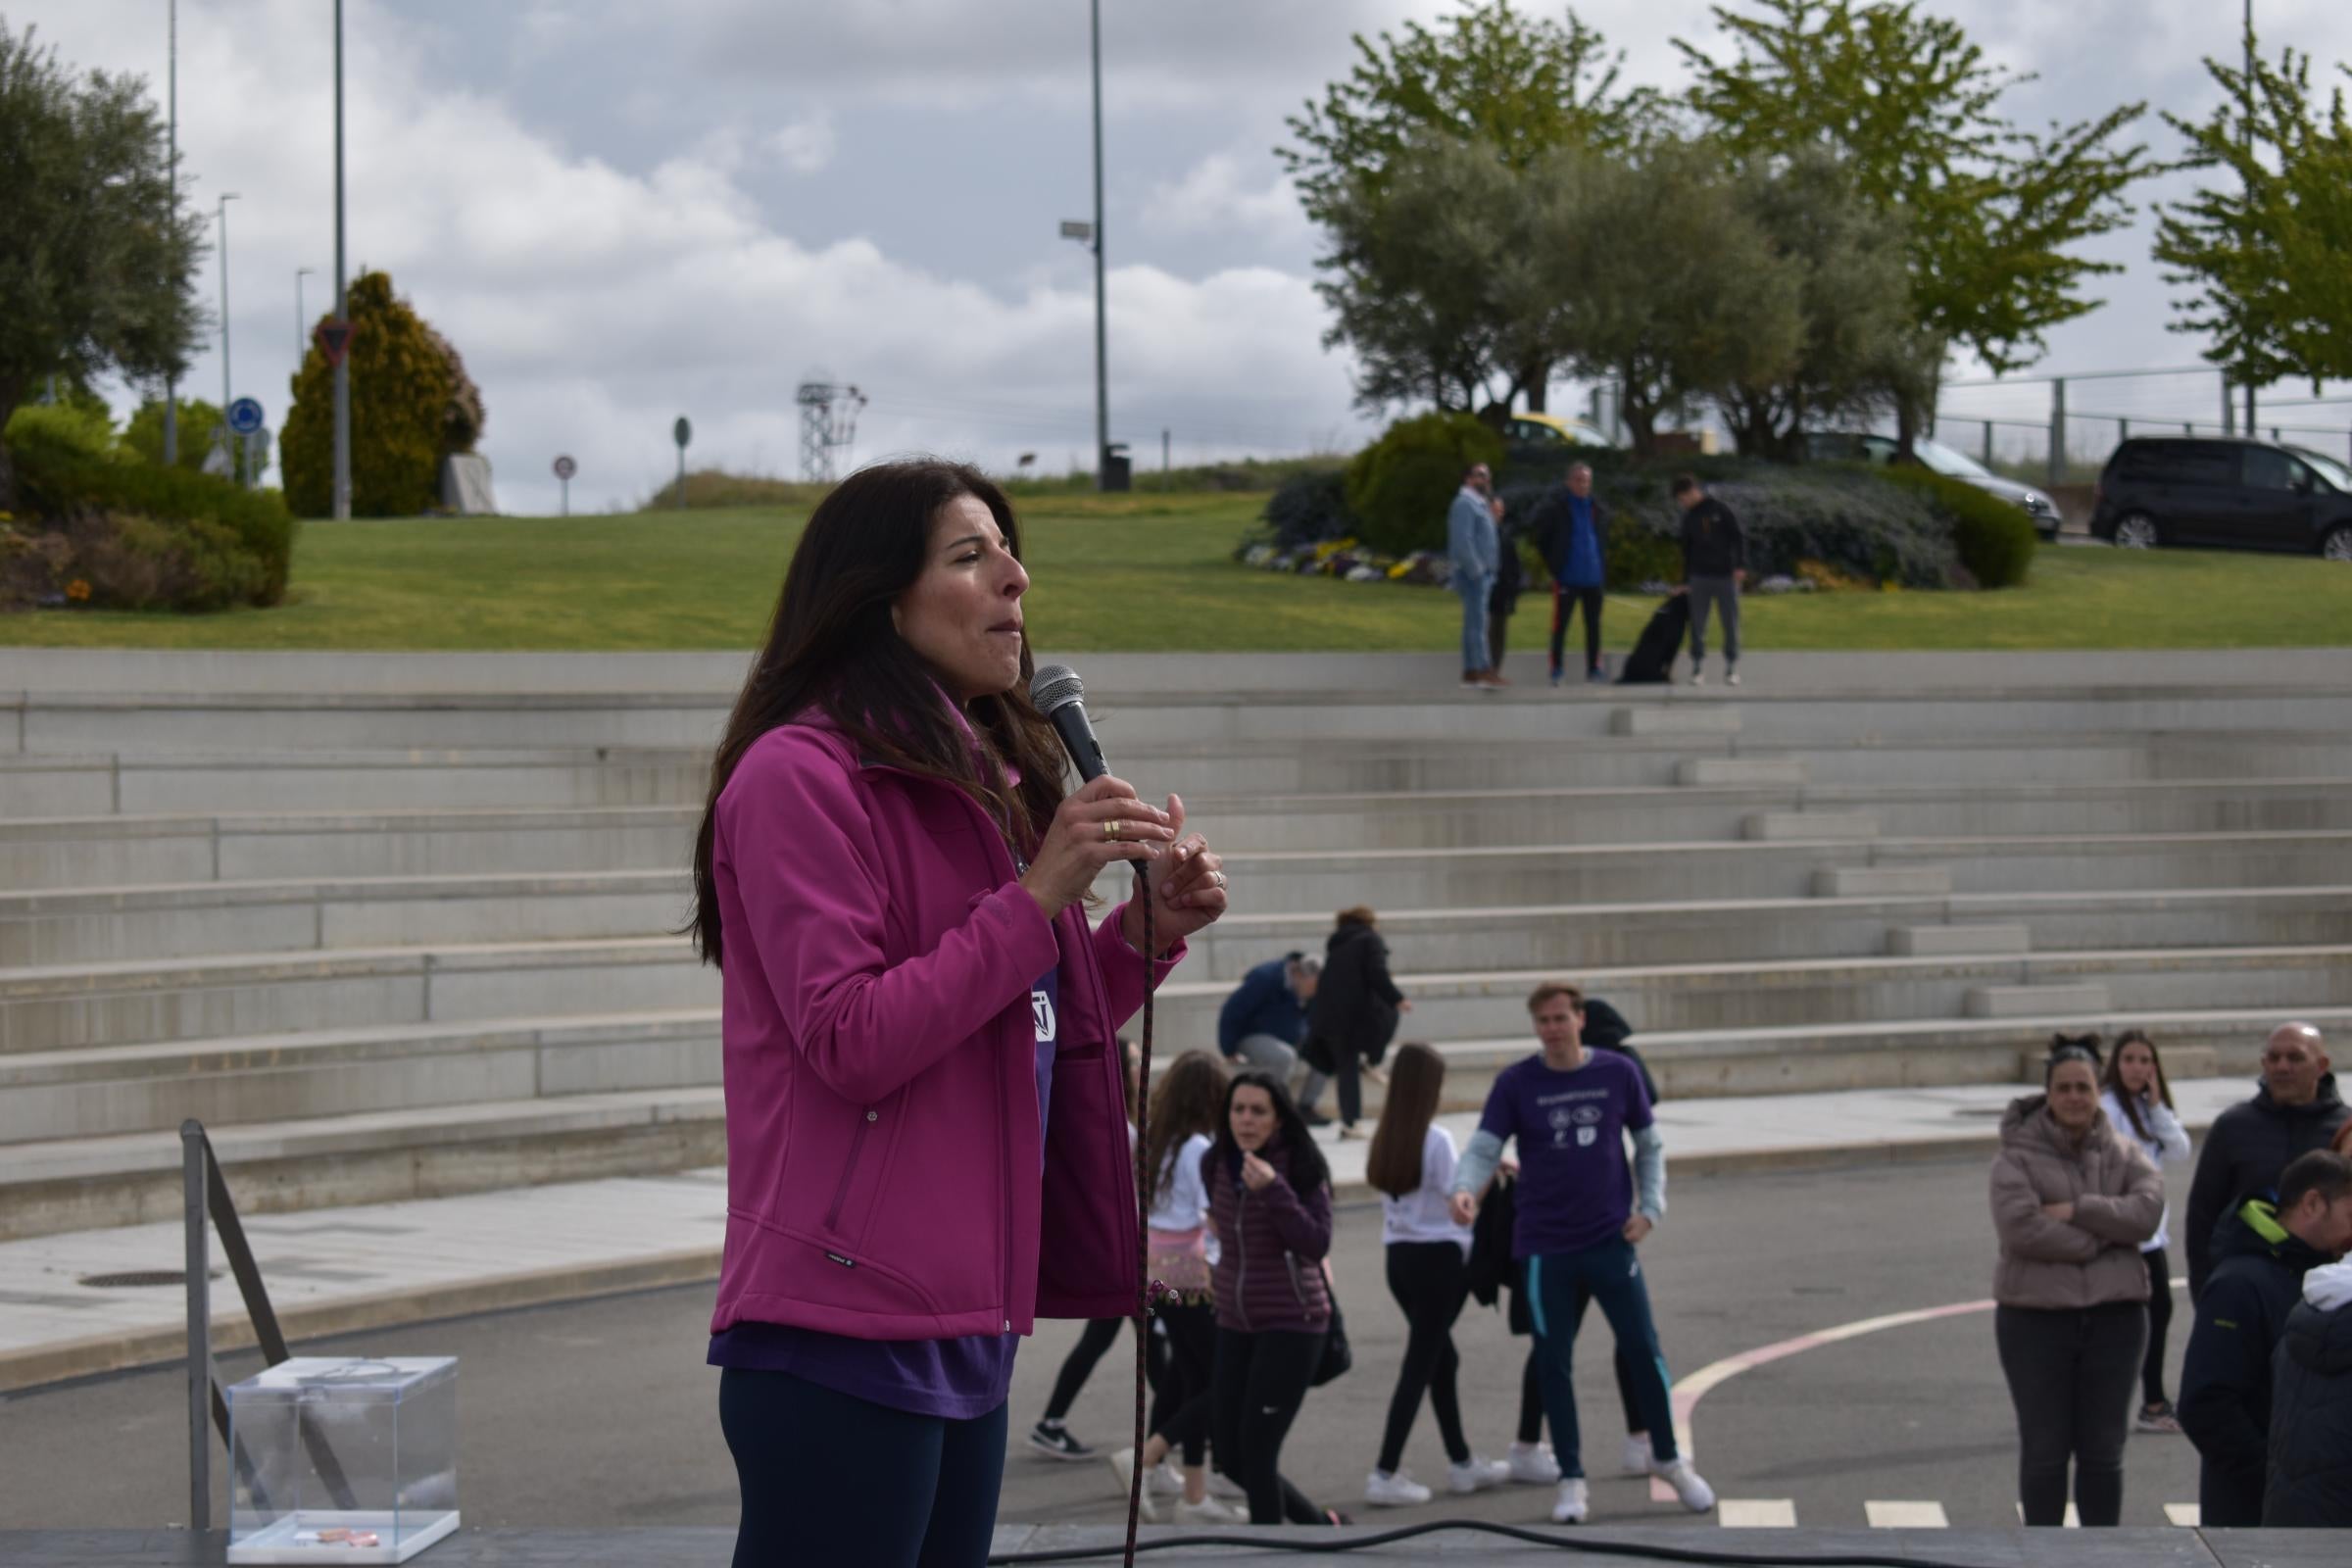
1580 1217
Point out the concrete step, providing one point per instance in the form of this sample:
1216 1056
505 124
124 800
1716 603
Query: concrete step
1722 771
2038 1001
1933 941
1774 827
1676 718
371 1157
66 1184
1880 881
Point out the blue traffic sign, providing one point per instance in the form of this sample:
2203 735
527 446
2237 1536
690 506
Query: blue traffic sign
245 415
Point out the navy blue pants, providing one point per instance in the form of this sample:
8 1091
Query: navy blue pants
829 1479
1558 1287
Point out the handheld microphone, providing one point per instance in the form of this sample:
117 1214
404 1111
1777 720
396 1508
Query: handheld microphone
1060 696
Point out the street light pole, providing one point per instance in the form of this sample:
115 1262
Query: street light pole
2249 134
172 175
302 340
1102 338
227 197
342 303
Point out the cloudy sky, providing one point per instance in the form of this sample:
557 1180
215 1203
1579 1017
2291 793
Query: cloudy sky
622 211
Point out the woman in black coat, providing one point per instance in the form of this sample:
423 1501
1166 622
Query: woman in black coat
2309 1483
1353 1014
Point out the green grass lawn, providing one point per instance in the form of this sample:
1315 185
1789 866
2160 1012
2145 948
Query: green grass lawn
1141 571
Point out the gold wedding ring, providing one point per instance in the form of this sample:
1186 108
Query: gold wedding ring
1110 830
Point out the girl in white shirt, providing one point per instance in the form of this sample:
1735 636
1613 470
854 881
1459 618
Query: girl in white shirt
2140 1106
1178 1126
1411 1164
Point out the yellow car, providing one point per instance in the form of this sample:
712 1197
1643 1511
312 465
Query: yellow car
1552 429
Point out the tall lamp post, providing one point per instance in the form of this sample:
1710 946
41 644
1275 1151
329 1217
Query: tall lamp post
172 175
342 303
1101 339
227 197
302 336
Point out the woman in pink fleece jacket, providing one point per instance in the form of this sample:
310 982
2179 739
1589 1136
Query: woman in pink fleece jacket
926 1139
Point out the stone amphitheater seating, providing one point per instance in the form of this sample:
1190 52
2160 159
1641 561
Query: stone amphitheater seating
405 926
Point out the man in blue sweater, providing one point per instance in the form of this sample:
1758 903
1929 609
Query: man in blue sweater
1580 1217
1571 529
1262 1022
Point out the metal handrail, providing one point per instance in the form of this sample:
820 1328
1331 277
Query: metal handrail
204 1191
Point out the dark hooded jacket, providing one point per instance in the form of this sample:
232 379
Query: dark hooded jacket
1606 1029
2251 1144
2225 1404
1356 1002
1271 1246
2311 1409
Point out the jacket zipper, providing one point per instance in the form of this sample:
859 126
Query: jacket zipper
849 1171
1290 1261
1240 1256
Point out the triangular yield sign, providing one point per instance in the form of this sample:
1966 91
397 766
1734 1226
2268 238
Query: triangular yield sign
333 338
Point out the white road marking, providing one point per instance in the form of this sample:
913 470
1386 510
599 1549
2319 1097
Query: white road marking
1756 1513
1906 1516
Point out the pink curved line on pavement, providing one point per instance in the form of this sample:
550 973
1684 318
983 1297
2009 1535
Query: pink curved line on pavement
1698 1384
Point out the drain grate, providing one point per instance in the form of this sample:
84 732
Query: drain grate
136 1279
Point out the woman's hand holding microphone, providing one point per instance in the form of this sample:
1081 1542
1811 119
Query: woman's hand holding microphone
1104 822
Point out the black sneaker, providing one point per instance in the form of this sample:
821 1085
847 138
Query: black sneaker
1053 1439
1313 1118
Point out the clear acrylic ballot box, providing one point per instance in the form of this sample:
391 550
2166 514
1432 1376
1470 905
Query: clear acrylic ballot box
333 1459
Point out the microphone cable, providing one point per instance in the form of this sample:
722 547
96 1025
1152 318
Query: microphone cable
1142 1220
1593 1545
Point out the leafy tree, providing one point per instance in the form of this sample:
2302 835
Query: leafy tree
1399 486
1673 289
1858 349
411 404
2264 248
1490 78
143 436
97 262
1911 106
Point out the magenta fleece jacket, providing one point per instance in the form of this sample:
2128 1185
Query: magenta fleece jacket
880 1055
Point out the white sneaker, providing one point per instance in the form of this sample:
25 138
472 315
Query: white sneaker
1532 1464
1165 1479
1400 1490
1122 1465
1573 1503
1224 1486
1730 677
1636 1460
1209 1511
1475 1473
1698 677
1697 1494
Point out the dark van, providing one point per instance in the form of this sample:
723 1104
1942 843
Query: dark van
2224 493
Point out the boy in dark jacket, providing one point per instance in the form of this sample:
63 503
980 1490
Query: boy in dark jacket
1714 568
2311 1409
2264 1253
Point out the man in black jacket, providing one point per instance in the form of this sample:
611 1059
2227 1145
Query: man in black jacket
1570 527
1714 569
2264 1253
2311 1409
2295 1110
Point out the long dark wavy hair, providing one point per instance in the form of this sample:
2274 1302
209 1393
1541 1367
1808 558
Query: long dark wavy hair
2111 1078
1188 1099
832 650
1308 1169
1416 1082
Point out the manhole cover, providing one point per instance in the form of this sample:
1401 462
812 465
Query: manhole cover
134 1279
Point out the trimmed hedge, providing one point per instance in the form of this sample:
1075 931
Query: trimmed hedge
1400 487
1995 538
214 541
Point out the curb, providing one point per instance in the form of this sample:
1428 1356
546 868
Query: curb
39 1365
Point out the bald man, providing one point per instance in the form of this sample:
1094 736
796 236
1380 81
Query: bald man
2295 1110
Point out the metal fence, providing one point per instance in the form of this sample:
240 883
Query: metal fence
2065 426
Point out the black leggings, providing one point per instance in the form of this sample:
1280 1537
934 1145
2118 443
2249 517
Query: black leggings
1262 1380
829 1478
2160 1323
1100 1335
2070 1376
1430 1281
1564 602
1184 1394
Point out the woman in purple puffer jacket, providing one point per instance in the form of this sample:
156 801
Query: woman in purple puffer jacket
1269 1200
926 1140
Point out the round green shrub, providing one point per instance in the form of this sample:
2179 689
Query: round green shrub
411 404
1401 485
1994 538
